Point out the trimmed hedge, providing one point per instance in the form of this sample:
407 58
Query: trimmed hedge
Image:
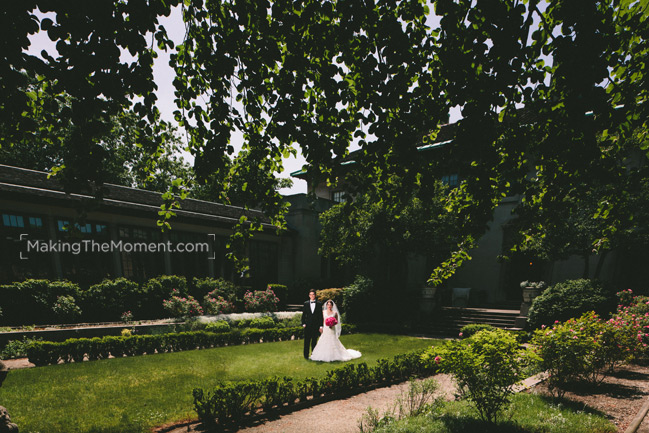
230 402
77 349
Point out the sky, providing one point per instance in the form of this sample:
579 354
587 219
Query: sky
164 75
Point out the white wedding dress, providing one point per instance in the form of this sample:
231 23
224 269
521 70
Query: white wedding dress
329 347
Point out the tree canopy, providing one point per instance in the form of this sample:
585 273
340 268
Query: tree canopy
320 74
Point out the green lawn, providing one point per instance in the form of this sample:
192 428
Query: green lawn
528 414
136 393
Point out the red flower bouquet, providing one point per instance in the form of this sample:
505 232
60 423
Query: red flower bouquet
331 321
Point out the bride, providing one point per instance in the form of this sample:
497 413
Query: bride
329 347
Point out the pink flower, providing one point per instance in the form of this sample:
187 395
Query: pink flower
461 334
437 359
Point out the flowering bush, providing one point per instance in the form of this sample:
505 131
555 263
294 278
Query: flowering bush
126 317
585 348
182 306
633 314
217 305
260 301
486 367
65 308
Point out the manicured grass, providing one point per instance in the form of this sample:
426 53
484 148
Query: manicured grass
134 394
528 414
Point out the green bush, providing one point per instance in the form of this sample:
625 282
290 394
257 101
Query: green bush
17 348
107 300
66 309
357 305
156 290
179 306
263 323
292 321
31 301
486 366
569 299
281 291
473 328
215 287
260 301
585 348
218 305
218 326
335 295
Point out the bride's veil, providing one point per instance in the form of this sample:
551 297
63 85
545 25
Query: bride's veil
338 328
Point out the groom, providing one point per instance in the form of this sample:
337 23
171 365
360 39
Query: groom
311 322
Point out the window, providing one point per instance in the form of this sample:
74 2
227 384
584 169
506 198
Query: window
35 222
17 262
338 196
451 180
13 220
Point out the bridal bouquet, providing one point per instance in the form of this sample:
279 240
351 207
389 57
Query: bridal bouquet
331 321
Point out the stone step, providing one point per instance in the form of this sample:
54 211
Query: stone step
450 320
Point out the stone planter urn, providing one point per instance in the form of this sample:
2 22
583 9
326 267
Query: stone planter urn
427 305
529 293
531 290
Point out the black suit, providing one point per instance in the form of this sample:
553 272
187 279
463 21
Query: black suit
313 322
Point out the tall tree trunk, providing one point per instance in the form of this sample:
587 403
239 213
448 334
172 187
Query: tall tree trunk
600 264
586 266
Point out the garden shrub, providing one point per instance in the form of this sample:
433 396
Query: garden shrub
179 306
335 295
31 301
569 299
218 326
107 300
17 348
486 366
356 300
217 305
276 391
156 290
126 317
473 328
633 315
585 348
227 402
215 287
263 323
260 301
65 309
281 291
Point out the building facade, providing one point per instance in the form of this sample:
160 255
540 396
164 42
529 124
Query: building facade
48 233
